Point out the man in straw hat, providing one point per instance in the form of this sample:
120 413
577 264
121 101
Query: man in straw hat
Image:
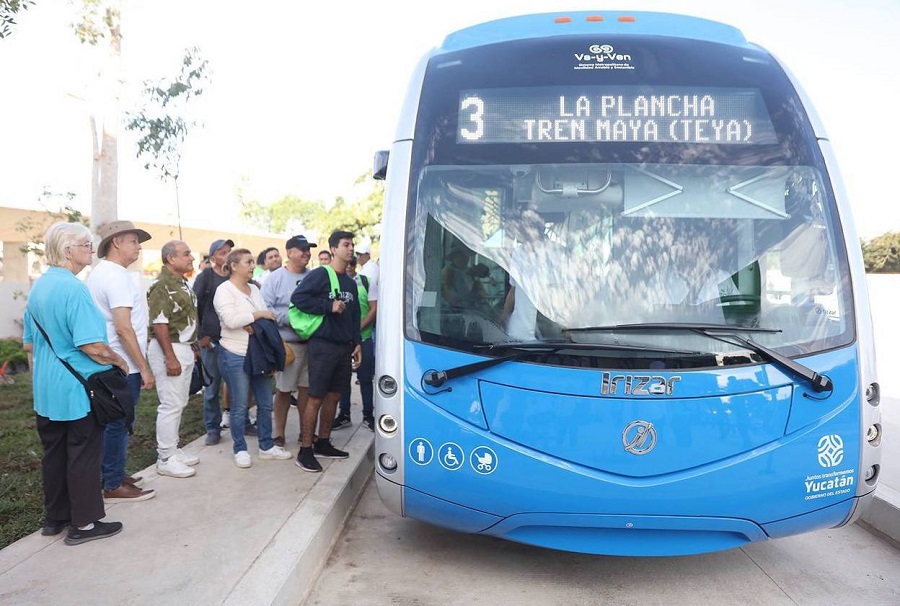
120 297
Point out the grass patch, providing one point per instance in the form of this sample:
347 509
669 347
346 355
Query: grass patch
21 495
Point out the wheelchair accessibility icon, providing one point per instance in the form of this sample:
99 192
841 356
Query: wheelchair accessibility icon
484 460
451 456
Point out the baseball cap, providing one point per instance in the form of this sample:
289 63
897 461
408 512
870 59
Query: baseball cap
299 242
363 249
219 244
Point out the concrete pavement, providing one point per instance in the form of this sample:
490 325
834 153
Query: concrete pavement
225 536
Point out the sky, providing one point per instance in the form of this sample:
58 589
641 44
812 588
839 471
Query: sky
302 95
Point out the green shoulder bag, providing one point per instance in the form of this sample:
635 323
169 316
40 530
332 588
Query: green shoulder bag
304 324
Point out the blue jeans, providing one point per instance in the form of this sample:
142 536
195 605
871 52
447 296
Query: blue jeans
231 367
115 442
212 411
365 373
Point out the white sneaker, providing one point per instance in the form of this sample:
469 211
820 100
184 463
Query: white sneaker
276 452
251 413
187 459
226 419
173 467
242 459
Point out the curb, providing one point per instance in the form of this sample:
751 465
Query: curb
287 569
883 515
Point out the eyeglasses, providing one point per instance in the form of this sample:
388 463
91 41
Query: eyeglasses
88 245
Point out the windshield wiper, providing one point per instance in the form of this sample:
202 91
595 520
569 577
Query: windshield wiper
672 326
723 332
436 378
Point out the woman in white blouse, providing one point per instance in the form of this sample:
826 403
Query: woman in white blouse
239 304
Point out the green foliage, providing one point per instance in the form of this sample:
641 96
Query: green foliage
162 122
882 254
11 351
290 214
97 19
8 11
33 228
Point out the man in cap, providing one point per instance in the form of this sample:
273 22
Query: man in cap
367 266
209 333
276 292
119 294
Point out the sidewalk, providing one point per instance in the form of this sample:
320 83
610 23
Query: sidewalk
226 535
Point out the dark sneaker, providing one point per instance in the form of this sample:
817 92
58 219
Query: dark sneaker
306 461
341 421
213 438
101 530
52 528
324 449
250 430
134 481
279 441
369 422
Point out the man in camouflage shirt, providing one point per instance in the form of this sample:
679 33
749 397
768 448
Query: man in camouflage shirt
173 318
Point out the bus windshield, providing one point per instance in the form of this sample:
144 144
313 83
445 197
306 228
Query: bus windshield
687 189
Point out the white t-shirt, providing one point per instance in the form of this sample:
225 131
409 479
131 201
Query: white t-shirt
113 286
371 271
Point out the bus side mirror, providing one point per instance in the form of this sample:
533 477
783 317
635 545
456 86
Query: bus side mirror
379 172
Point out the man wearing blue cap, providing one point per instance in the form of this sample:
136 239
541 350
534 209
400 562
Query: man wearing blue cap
209 332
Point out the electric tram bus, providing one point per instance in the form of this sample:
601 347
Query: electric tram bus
623 307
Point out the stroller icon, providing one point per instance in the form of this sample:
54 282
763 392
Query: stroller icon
484 460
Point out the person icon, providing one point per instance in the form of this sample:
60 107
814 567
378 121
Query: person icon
420 451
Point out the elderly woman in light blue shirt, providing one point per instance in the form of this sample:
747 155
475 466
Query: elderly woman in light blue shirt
71 437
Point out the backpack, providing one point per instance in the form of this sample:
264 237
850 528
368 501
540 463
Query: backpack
304 324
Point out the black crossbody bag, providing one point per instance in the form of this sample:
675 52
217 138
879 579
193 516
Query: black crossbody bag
107 390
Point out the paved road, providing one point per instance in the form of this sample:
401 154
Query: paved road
385 560
382 559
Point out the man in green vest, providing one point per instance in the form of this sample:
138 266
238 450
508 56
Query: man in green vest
368 305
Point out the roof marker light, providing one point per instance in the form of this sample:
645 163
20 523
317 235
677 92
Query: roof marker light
563 20
627 19
594 18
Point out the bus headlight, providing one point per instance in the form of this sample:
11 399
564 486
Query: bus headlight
387 424
387 385
387 462
873 394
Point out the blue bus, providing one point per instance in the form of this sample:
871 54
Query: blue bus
623 307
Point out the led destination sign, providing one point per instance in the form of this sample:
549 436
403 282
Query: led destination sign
626 114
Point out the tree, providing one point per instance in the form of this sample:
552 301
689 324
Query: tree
98 20
33 229
8 11
362 215
882 254
162 121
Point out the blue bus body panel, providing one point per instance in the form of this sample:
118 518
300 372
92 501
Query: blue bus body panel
544 25
552 447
